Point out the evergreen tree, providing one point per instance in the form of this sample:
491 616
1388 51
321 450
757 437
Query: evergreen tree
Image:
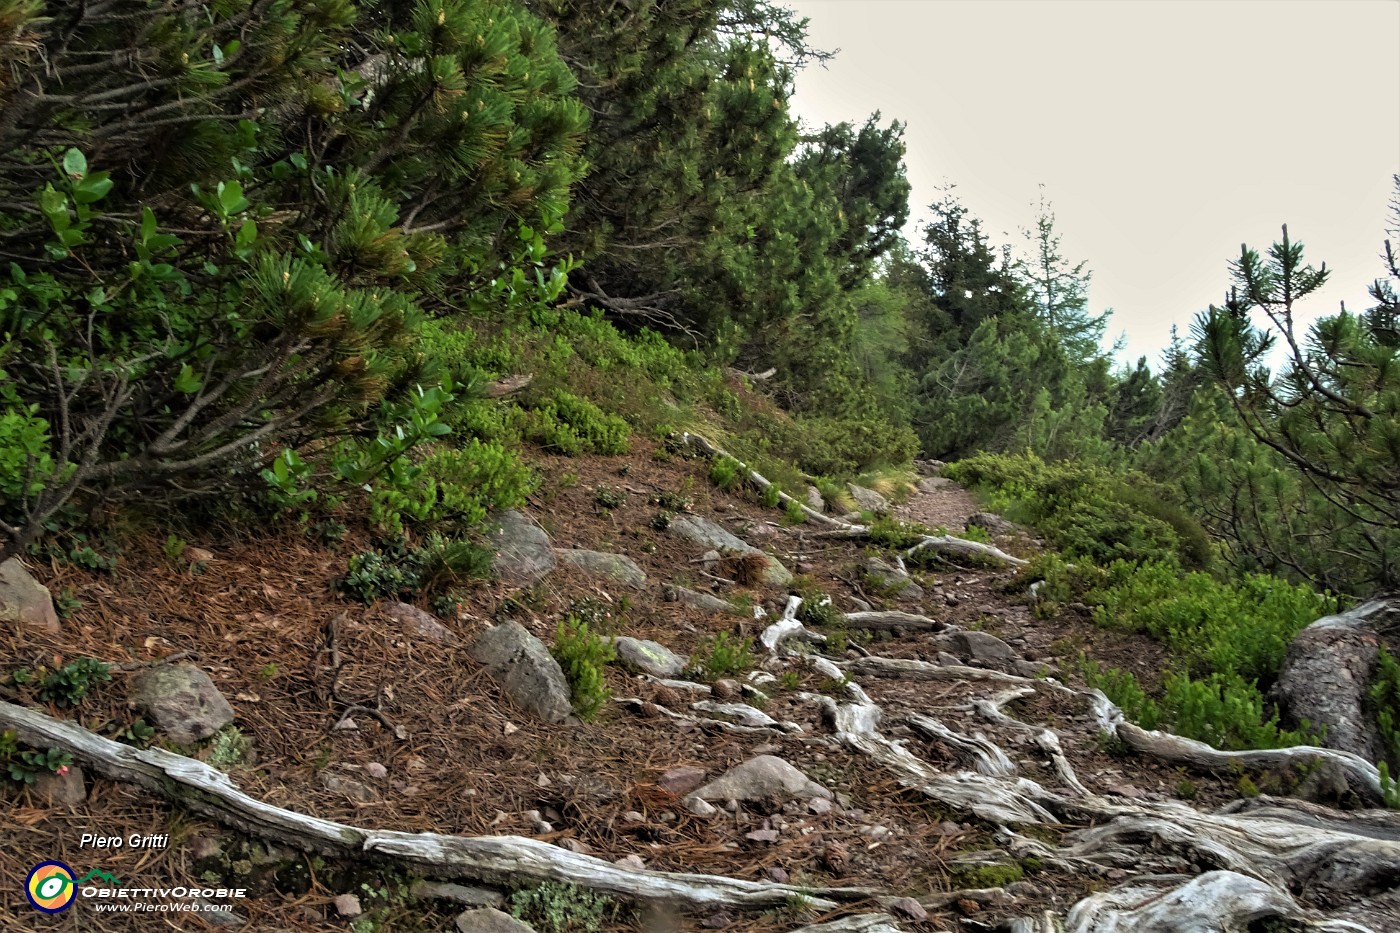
1333 413
1060 291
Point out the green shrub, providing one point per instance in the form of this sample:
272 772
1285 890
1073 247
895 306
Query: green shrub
725 473
25 767
1385 693
583 655
725 656
770 496
1085 511
70 683
1241 628
558 907
571 425
402 573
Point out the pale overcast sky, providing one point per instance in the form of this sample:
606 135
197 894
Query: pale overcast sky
1165 133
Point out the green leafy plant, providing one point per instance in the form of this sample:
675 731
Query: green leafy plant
557 907
725 473
66 604
70 683
228 749
770 496
140 734
609 498
724 656
24 767
584 655
1385 693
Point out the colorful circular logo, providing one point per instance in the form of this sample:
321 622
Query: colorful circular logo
50 887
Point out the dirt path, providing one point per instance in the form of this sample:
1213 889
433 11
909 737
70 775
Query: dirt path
939 503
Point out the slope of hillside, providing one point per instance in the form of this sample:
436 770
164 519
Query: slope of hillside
957 776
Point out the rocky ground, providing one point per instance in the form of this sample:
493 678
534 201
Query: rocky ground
926 760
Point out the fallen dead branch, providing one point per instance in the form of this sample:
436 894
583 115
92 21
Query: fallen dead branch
492 859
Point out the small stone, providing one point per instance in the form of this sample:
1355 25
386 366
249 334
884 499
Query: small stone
543 827
469 895
632 862
777 874
25 600
347 724
681 780
575 846
489 920
419 624
725 688
633 816
763 835
819 805
909 908
697 807
65 787
1024 889
716 921
339 784
874 832
533 816
510 728
348 905
1116 874
375 770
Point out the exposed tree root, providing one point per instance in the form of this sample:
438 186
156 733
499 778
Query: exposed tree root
492 859
943 544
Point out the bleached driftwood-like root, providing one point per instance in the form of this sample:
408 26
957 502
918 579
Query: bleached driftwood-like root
912 669
1362 776
491 859
1379 824
724 725
1049 743
962 547
745 714
854 923
1208 903
943 544
988 758
893 619
712 451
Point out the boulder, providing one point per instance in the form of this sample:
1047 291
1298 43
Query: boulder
934 483
992 523
707 534
419 624
525 669
181 701
489 920
25 600
523 552
696 600
616 567
762 777
929 467
890 580
648 656
682 779
868 500
815 502
977 646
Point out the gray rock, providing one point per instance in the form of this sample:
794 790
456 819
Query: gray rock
616 567
888 578
909 908
934 483
525 669
648 656
697 600
182 702
631 862
697 807
490 920
340 784
67 788
763 776
419 624
707 534
523 552
815 502
992 523
929 467
25 600
348 905
681 780
868 500
977 646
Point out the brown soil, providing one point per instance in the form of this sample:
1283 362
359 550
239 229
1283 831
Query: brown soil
257 619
